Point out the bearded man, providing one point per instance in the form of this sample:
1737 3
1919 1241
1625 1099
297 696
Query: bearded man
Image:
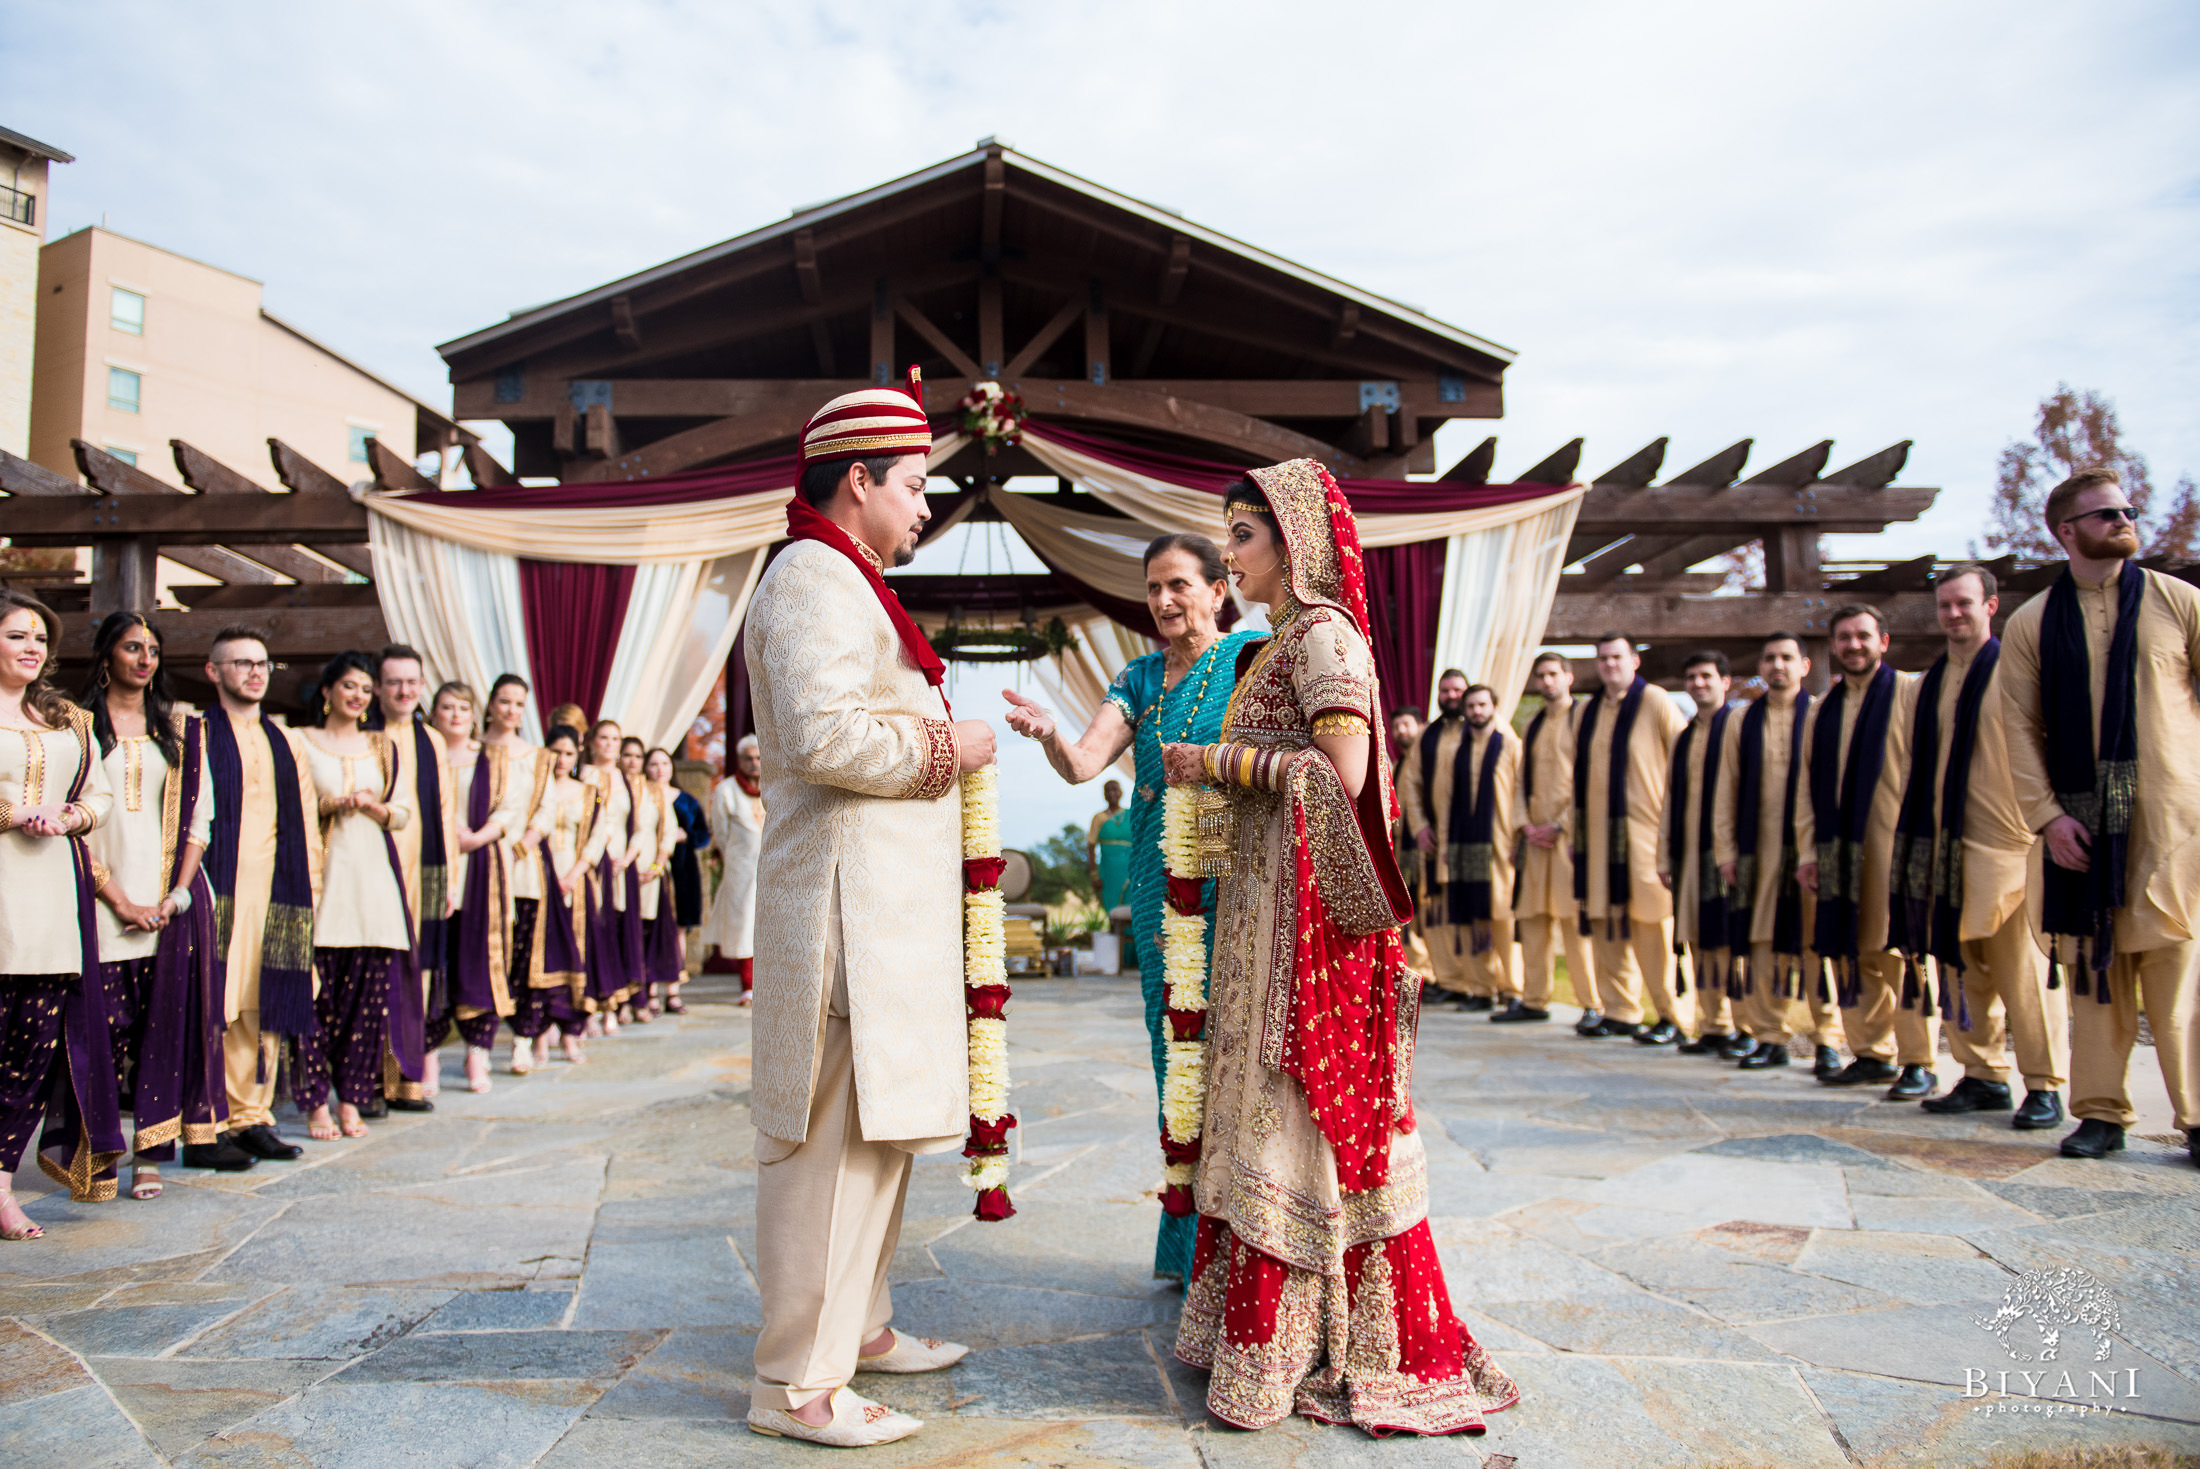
860 1053
1458 793
1687 864
1545 915
2104 746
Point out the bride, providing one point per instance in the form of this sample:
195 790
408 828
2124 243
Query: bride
1315 1286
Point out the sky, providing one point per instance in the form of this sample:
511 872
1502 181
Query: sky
1867 222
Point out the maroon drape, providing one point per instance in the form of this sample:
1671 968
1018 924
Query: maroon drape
1405 594
740 708
574 612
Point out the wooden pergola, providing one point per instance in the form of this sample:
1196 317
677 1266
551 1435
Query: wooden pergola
1111 314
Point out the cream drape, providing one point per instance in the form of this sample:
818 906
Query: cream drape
1495 637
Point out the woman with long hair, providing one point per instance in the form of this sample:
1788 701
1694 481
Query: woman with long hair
664 955
156 915
487 799
1177 694
53 1014
613 845
556 926
1315 1284
737 832
686 877
363 929
521 786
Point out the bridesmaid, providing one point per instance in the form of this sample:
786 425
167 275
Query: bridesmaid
53 1018
647 833
362 932
488 803
557 971
664 955
526 782
687 884
609 852
156 956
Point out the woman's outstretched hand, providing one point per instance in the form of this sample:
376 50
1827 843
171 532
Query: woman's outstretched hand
1031 720
1185 765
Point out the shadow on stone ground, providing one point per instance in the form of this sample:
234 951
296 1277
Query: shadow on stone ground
1681 1264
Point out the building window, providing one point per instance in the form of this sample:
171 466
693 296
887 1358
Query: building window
359 436
127 313
127 456
122 389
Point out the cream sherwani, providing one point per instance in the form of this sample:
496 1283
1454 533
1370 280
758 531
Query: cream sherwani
1640 959
859 1046
1453 963
1878 1025
2157 958
2004 978
1544 914
1766 1014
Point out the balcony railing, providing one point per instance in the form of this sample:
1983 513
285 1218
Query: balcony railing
18 206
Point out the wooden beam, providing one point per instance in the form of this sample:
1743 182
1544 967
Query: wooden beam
391 469
1174 269
1792 560
1915 575
19 476
359 558
995 194
1096 335
244 599
299 473
1348 324
1873 471
991 346
1129 403
882 334
295 634
125 574
624 327
1558 469
1474 469
1668 564
1577 617
1370 436
721 438
1796 470
1044 338
1637 469
1697 510
177 519
602 432
941 342
805 268
1720 470
209 476
483 468
138 491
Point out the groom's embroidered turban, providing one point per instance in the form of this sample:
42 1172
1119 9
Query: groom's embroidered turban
869 424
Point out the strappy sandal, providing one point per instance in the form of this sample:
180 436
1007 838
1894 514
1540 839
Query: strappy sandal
144 1182
30 1231
352 1126
321 1126
674 1005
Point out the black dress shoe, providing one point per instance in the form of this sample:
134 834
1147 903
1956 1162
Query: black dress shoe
261 1142
1913 1083
1704 1045
2192 1145
2040 1110
1736 1048
1664 1033
2093 1139
375 1107
1588 1023
1861 1072
411 1104
1517 1013
1476 1004
1765 1057
1628 1028
221 1154
1970 1095
1826 1063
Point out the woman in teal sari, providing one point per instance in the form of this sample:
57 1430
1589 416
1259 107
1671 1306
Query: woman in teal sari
1174 696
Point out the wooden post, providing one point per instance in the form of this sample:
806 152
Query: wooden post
991 350
125 574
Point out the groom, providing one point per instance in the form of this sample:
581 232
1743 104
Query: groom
859 1034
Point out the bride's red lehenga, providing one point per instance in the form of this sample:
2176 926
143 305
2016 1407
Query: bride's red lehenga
1316 1287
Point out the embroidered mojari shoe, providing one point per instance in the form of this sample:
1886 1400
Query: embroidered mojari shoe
857 1423
914 1354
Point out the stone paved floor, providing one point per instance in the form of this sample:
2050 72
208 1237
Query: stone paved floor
1680 1264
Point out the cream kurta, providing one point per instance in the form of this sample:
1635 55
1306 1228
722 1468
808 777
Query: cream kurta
256 815
607 835
861 859
658 829
38 919
1772 833
131 843
1683 867
737 831
1886 807
527 785
1658 723
361 904
1547 874
1997 845
508 809
1504 813
2162 864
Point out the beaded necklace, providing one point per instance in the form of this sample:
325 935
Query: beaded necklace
1199 698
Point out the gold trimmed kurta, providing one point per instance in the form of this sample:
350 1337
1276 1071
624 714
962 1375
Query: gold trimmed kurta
1683 867
133 843
1658 723
256 813
1886 807
1772 835
1547 874
362 906
38 916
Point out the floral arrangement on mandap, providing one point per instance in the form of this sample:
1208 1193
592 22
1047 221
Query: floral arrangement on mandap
985 994
992 415
1186 860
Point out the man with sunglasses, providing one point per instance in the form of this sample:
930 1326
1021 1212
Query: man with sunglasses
2104 745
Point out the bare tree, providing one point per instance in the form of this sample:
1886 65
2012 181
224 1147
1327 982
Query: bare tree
2074 431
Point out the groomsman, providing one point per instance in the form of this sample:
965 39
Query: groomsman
1545 915
427 847
2104 748
1962 851
1405 733
264 866
1459 793
1624 735
1854 753
1686 864
1777 979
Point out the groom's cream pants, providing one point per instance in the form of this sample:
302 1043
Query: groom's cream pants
828 1215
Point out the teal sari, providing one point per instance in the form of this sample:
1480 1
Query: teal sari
1191 713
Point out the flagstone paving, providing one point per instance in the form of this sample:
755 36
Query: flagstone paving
1679 1263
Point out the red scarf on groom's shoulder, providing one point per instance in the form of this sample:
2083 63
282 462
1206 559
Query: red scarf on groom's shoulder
805 524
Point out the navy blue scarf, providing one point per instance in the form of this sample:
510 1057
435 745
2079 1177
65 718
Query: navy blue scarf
1618 883
1841 806
286 943
1749 781
2096 787
1925 904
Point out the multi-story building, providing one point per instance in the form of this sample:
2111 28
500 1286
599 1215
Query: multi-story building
138 345
23 164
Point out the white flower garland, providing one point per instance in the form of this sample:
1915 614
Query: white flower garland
985 966
1184 973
